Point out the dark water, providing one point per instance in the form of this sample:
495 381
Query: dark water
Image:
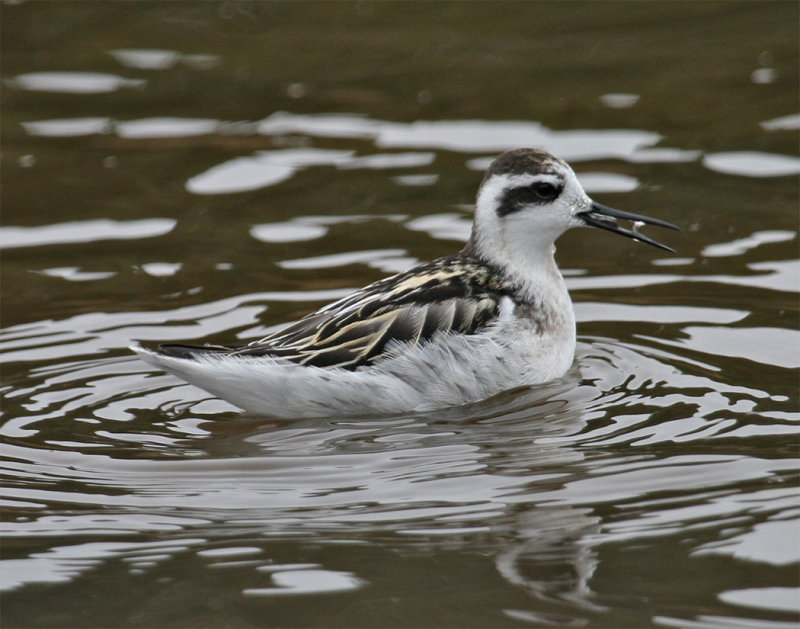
205 171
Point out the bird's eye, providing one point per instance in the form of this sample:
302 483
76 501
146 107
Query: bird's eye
535 194
545 191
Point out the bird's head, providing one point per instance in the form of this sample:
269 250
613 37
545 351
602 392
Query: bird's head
527 199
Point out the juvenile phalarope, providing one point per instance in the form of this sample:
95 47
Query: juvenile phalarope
494 316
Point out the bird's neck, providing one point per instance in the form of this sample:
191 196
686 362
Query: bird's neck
533 273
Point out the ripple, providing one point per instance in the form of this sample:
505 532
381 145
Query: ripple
600 311
777 275
84 231
319 125
300 228
384 259
768 346
523 460
240 175
166 127
416 180
62 564
619 100
161 269
669 447
229 551
294 230
445 226
784 123
73 82
69 127
75 274
158 59
638 479
775 598
476 136
306 581
768 542
752 164
743 245
382 161
265 168
145 59
608 182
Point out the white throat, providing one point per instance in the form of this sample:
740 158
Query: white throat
522 243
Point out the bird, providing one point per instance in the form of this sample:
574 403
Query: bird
492 317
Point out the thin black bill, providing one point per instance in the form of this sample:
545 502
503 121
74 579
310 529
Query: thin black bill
596 217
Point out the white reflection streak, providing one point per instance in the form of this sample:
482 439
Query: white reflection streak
307 581
265 168
165 127
341 259
768 346
75 274
743 245
63 563
157 59
782 599
603 311
629 481
68 127
784 123
446 226
73 82
607 182
772 542
752 164
84 231
479 136
145 59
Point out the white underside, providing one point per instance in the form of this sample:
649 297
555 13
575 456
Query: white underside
449 370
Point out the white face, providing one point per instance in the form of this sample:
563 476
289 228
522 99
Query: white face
519 216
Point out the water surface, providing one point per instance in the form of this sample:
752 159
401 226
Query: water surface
206 172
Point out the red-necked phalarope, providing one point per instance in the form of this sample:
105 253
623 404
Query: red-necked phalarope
494 316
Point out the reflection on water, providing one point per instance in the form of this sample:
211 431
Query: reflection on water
160 186
72 82
84 231
144 59
752 164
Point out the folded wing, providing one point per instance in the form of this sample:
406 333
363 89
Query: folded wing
369 324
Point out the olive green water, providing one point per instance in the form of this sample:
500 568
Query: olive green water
206 171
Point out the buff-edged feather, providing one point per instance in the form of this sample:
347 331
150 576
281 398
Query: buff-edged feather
408 308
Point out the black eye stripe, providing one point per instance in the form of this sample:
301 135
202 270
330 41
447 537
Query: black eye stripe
538 193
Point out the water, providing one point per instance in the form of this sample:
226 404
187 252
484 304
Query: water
205 172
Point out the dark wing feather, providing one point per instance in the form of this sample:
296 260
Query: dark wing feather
363 340
449 295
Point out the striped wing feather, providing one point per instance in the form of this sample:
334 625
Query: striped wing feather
363 327
350 341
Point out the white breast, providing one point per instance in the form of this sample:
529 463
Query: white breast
449 370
